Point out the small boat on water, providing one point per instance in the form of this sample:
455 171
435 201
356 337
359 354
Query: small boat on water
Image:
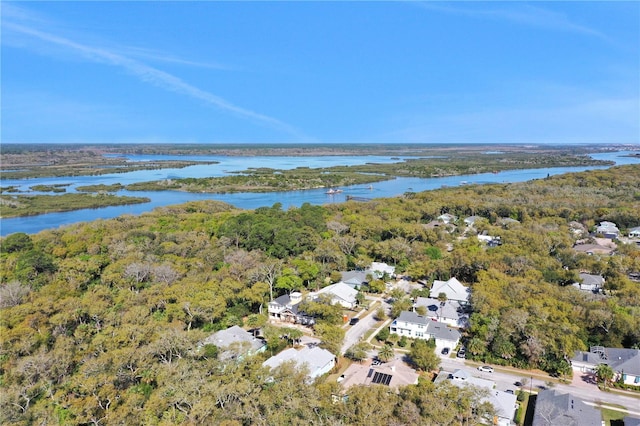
334 191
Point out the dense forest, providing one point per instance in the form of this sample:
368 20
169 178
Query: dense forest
100 322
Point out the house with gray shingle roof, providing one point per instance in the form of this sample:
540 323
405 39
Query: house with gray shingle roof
355 279
504 403
448 312
631 421
316 360
452 288
625 362
590 282
416 326
235 343
340 294
608 230
554 408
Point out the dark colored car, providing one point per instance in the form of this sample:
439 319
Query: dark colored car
445 351
354 321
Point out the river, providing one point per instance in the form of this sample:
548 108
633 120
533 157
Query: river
391 188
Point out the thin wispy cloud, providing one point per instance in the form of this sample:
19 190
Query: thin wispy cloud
143 72
523 14
162 57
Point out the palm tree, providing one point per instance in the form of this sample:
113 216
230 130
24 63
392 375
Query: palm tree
442 297
605 374
386 353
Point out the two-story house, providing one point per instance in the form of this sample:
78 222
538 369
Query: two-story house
417 326
285 309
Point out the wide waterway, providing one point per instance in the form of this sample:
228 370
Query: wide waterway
391 188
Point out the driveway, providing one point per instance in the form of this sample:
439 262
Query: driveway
356 332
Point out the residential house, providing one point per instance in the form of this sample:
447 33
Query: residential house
554 408
285 308
490 240
447 218
315 360
625 362
235 343
355 279
631 421
340 293
417 326
452 288
634 232
504 403
393 374
471 220
448 312
380 268
608 230
590 282
507 222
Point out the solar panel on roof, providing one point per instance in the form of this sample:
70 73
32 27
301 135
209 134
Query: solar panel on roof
382 379
370 373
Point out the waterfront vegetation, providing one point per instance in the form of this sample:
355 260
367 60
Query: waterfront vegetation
265 180
270 180
50 188
33 161
100 321
31 205
54 160
100 188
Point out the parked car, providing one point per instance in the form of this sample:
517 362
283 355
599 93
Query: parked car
518 384
461 353
510 391
354 321
486 369
445 351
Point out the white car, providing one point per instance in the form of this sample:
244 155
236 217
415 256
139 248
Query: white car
486 369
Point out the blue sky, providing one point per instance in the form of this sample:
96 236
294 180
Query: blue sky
321 72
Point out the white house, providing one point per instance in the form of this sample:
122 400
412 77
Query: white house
417 326
504 403
625 362
380 268
235 342
471 220
590 282
285 308
340 293
608 230
447 218
453 289
316 360
448 312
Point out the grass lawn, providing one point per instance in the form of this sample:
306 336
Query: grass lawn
524 414
613 417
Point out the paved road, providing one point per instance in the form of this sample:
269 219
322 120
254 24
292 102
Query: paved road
505 379
356 332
